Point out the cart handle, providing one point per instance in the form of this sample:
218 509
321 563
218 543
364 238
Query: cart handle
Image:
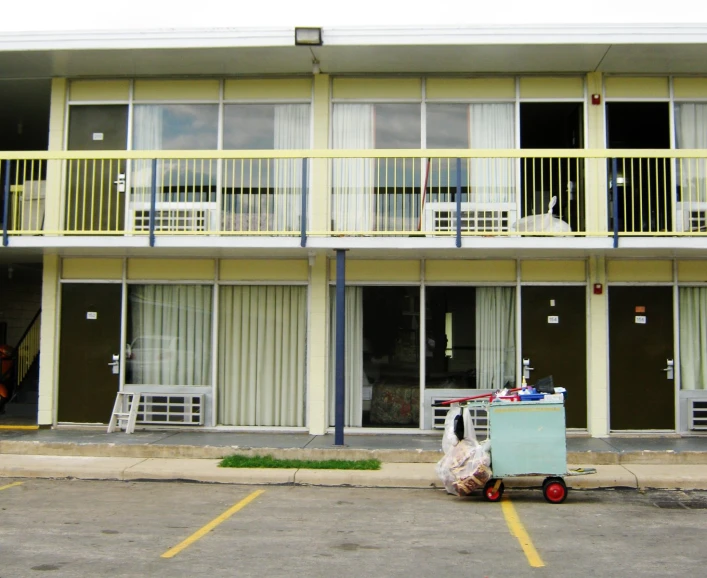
480 396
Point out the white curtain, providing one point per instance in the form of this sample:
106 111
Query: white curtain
693 337
171 335
147 135
492 126
292 124
691 133
495 336
353 179
354 375
261 366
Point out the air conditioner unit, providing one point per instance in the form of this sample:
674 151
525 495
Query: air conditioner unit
691 217
475 217
697 414
174 216
171 409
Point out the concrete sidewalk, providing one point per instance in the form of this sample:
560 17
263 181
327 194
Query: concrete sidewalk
389 448
391 475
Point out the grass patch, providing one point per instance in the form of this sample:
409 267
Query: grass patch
238 461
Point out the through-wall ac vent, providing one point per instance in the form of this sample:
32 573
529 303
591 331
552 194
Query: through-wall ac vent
171 409
697 414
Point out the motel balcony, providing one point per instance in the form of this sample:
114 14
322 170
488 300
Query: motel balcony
377 199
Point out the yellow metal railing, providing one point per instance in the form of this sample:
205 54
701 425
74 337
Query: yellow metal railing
505 192
28 348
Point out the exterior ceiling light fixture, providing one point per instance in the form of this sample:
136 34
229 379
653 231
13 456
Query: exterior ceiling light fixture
308 36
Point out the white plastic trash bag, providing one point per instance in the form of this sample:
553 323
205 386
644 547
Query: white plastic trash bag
466 465
546 223
450 439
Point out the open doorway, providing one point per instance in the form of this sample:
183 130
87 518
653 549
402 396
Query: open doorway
643 186
24 126
553 125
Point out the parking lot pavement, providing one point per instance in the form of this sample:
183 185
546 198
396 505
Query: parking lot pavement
85 528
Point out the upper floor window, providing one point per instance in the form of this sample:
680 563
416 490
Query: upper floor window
376 126
477 126
175 127
266 126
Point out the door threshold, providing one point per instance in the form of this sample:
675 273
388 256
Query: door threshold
644 433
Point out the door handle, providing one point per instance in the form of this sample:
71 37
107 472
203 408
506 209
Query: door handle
120 182
670 369
115 364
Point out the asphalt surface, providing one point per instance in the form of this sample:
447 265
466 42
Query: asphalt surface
81 528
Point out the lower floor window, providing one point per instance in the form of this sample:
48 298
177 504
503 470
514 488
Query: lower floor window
169 335
261 367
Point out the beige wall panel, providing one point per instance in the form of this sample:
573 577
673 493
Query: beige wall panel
470 271
99 90
264 89
639 270
392 271
263 270
636 87
553 271
171 269
92 269
372 88
176 89
552 87
692 271
690 87
470 88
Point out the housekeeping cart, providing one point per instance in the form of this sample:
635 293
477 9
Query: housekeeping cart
528 438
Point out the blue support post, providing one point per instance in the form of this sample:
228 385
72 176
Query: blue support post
340 348
303 217
615 200
459 202
153 202
6 204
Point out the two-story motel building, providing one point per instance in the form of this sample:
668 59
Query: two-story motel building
500 199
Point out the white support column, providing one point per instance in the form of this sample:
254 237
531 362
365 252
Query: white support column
49 340
595 180
598 351
318 346
57 124
319 198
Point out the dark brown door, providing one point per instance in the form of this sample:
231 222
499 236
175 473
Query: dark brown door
96 188
554 331
642 394
90 336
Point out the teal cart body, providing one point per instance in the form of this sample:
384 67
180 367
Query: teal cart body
527 438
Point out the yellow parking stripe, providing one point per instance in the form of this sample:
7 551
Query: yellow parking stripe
518 530
18 427
211 525
12 485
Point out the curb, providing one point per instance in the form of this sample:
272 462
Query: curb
148 451
391 475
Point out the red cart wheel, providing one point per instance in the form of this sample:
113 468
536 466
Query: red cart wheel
491 494
555 490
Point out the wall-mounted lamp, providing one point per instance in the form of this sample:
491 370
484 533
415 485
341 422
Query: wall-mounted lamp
312 258
308 36
315 67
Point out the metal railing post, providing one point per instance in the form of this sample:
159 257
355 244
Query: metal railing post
153 202
615 200
340 352
303 217
6 204
459 202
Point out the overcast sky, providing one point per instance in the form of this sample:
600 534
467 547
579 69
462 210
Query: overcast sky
37 15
